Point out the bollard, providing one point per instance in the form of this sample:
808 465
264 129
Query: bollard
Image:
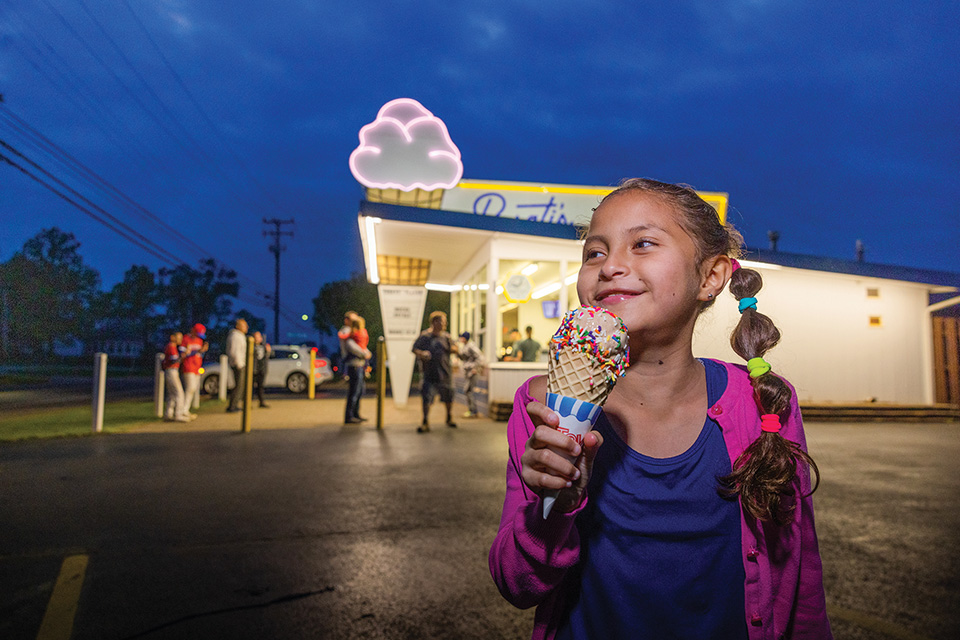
99 389
224 370
312 377
381 379
158 385
247 374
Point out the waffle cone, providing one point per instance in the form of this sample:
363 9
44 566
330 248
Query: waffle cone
576 374
415 198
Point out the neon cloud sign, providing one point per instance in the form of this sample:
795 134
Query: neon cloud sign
406 148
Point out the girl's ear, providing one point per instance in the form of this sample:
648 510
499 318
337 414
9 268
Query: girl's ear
716 273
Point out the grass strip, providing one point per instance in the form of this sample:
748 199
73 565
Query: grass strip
57 422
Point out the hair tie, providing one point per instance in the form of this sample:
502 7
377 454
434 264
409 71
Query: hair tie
735 263
770 422
748 303
757 367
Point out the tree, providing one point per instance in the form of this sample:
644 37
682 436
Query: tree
337 297
50 292
356 294
198 295
134 301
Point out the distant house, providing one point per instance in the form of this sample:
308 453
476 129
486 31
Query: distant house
116 340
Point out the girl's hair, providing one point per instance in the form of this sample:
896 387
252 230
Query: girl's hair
767 470
358 323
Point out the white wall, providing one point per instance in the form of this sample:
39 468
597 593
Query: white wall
828 350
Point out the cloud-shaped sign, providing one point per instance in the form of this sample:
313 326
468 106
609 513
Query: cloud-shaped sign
406 148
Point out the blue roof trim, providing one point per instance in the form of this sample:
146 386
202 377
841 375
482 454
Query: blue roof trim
463 220
569 232
852 267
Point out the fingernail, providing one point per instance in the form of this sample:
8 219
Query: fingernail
576 474
569 484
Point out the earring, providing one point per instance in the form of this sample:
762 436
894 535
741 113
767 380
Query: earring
709 295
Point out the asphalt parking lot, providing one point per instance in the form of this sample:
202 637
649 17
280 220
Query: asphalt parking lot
307 528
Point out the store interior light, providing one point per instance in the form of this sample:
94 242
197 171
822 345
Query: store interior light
483 287
436 286
750 264
530 269
499 289
542 292
369 223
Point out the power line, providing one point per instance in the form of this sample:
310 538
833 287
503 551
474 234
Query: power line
171 258
155 164
196 104
82 208
78 167
130 233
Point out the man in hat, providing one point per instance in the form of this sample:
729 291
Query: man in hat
194 346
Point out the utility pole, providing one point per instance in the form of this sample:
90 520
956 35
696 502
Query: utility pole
275 249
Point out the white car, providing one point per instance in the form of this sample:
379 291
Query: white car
287 366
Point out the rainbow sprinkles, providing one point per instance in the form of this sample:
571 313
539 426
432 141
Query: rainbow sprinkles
598 333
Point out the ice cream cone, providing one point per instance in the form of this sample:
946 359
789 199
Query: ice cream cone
576 374
587 355
414 198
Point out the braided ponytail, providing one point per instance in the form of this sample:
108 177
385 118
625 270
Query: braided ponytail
767 470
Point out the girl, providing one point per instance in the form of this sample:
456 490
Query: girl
687 513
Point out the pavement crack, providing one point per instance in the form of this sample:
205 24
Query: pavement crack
290 597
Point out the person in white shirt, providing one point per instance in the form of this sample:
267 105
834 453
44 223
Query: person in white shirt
472 363
237 359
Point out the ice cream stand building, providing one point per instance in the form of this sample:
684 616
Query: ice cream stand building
508 252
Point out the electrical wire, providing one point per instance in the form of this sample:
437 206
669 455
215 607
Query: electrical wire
50 149
170 257
80 207
196 105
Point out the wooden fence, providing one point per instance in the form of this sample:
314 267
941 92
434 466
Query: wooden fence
946 358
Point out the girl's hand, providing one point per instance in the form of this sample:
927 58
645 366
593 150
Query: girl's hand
545 463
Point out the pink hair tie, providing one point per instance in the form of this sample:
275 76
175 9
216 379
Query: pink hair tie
735 263
770 422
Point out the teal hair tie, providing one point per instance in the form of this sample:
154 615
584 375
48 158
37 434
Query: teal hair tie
748 303
757 367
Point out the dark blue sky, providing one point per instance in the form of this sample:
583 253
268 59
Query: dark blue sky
826 121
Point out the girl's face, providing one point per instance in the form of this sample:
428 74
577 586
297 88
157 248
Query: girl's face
639 263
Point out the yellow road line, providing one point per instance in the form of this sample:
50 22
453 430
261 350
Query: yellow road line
58 620
873 624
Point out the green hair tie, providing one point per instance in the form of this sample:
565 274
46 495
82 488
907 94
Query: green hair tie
757 367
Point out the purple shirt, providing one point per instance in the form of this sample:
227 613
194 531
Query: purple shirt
531 558
660 547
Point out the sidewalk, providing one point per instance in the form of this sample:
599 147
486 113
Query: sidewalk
297 412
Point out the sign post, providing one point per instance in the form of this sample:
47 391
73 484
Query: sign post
158 385
381 379
99 389
247 374
224 370
401 307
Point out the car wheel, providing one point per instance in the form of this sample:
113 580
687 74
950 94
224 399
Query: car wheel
211 384
297 383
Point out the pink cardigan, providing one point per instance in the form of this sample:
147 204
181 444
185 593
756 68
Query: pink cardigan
784 583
